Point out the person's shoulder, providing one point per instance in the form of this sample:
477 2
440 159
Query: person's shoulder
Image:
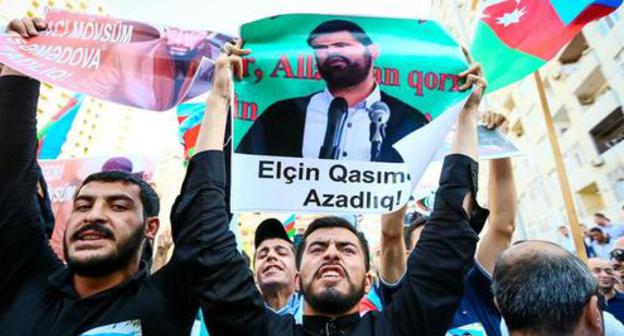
289 104
403 109
619 296
277 324
389 99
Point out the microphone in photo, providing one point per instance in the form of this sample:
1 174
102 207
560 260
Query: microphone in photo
336 117
379 114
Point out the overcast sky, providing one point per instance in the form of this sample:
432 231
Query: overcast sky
225 16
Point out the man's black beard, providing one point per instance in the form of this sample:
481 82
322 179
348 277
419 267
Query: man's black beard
332 302
352 74
103 265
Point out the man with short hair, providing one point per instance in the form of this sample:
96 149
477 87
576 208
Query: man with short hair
477 313
613 230
294 127
104 288
275 270
601 244
544 290
333 261
605 276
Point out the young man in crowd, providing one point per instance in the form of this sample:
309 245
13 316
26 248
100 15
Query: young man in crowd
104 287
613 230
275 271
606 278
601 243
333 258
477 312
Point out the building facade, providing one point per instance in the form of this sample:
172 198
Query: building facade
584 86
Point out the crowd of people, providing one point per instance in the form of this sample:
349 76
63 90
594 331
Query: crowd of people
454 272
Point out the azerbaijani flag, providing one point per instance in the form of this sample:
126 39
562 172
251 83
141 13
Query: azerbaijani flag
289 225
189 118
516 37
425 204
53 135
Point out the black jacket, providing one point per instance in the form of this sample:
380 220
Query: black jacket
37 296
430 292
279 129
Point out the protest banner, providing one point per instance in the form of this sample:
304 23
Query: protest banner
63 178
324 102
122 61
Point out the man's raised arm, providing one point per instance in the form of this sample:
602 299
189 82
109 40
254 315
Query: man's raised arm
392 260
434 282
218 273
23 241
502 204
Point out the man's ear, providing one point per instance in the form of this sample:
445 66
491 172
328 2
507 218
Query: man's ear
592 317
297 284
374 51
151 228
368 283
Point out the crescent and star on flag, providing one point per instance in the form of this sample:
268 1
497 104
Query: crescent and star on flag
509 18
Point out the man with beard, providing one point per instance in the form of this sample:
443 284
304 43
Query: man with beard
333 260
104 288
274 268
295 127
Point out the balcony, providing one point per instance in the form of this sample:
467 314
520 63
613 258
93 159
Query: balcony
603 105
584 76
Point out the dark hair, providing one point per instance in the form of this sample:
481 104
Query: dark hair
149 198
332 222
407 233
542 292
595 229
334 26
601 215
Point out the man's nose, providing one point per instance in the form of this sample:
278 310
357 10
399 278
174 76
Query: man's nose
332 252
96 213
271 255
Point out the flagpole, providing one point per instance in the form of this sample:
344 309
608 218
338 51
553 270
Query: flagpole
561 171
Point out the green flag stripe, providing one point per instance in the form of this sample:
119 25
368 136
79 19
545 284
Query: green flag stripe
502 65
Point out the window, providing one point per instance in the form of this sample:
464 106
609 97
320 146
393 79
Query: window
553 181
609 132
608 22
619 62
574 158
562 120
544 147
616 177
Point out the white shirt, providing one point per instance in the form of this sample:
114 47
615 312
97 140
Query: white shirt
355 142
603 251
612 326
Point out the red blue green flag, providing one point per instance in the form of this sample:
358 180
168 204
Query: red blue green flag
189 119
516 37
289 225
53 135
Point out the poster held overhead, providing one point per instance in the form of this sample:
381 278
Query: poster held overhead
323 102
